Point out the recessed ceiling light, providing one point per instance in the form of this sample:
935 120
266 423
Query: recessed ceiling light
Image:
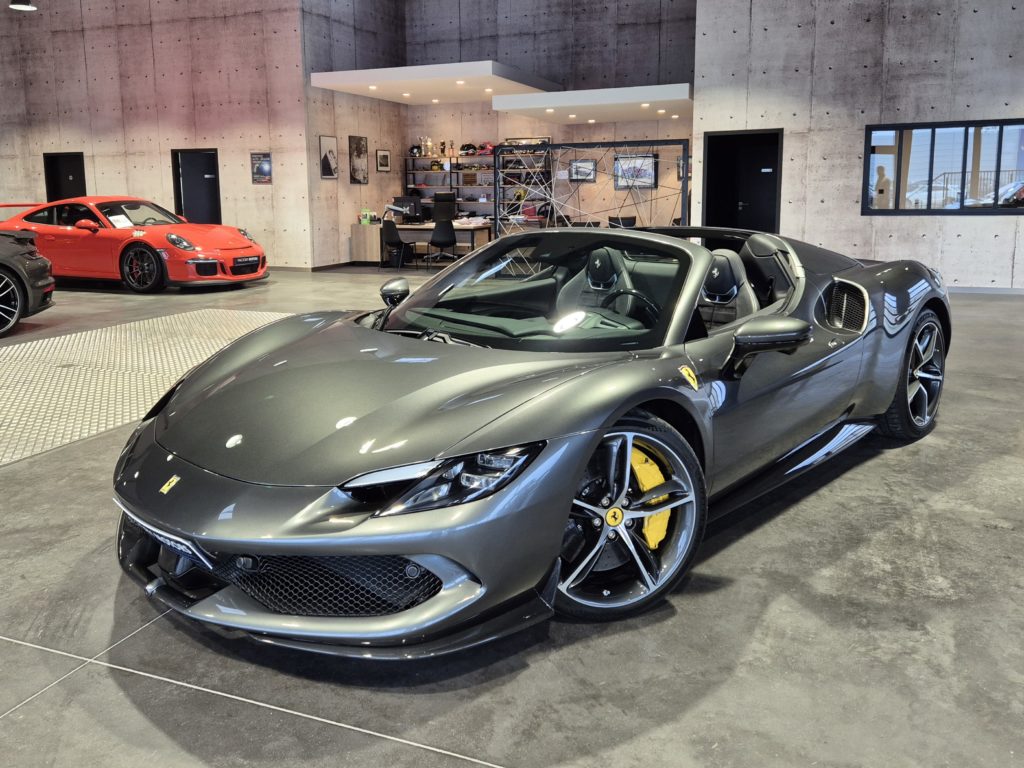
373 87
675 117
572 117
661 111
15 6
549 109
488 90
645 105
591 120
435 101
460 82
407 95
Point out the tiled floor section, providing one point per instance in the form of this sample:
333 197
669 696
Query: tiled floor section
63 388
868 615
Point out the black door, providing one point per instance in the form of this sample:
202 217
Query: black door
65 175
742 176
197 187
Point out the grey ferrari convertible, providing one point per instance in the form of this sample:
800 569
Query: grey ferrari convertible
544 427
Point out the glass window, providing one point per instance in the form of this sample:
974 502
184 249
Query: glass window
883 170
44 216
915 157
136 213
69 213
1011 168
967 168
947 168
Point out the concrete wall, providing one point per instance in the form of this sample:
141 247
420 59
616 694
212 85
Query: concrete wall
823 71
125 83
578 43
339 36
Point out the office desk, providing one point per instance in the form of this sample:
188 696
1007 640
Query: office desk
470 231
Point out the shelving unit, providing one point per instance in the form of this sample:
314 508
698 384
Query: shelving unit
522 183
420 177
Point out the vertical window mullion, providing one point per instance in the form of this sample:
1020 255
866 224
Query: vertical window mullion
999 162
931 170
898 173
963 170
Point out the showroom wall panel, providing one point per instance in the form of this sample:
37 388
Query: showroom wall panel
822 73
578 43
125 83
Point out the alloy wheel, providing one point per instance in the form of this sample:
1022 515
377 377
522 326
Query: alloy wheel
632 524
925 373
10 303
141 269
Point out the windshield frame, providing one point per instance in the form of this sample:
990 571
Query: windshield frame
174 219
563 243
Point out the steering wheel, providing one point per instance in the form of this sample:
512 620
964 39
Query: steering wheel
654 309
149 221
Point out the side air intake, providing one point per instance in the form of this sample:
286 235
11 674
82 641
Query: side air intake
846 306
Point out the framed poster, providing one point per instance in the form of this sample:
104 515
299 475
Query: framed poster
328 157
358 160
261 168
583 170
636 171
384 160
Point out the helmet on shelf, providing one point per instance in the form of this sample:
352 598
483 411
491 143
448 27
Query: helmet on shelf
487 148
415 151
467 149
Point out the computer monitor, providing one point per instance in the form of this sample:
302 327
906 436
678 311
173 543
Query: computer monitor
412 204
445 211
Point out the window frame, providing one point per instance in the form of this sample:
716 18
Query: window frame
898 181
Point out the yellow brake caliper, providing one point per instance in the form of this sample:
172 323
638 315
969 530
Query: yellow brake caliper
648 475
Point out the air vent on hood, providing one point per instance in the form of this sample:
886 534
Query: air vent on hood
846 306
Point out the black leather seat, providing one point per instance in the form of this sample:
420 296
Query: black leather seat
726 294
603 274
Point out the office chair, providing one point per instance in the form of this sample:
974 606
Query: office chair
621 222
442 237
395 249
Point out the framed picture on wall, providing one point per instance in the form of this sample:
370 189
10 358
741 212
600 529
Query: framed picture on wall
384 160
261 168
636 171
583 170
328 157
358 160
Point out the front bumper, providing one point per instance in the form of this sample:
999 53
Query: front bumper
215 267
495 559
40 285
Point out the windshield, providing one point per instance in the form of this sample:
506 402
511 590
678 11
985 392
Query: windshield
556 291
136 213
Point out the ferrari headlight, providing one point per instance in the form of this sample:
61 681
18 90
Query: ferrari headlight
246 235
452 481
180 242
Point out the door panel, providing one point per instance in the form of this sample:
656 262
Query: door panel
65 175
197 186
78 252
741 183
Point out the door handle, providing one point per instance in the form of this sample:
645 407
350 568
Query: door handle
49 237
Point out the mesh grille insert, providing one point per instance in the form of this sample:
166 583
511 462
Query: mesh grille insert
845 307
360 585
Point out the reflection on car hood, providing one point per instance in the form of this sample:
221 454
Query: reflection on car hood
337 400
210 236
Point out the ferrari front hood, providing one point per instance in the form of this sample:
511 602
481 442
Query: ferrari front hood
345 400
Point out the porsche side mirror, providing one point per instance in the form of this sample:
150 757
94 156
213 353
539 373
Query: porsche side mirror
395 291
183 219
88 224
765 334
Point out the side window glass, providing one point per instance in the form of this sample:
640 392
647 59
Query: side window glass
45 216
68 214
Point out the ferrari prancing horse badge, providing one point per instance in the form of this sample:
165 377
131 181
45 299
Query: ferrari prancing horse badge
689 375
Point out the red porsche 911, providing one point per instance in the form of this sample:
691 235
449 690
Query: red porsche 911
134 240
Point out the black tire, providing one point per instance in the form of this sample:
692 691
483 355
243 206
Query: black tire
142 270
915 406
12 302
610 589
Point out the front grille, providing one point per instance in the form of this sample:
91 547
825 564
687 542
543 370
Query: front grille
845 307
206 268
246 269
358 585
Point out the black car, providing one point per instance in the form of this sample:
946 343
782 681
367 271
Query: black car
26 286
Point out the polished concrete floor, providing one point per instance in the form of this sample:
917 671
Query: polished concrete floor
871 615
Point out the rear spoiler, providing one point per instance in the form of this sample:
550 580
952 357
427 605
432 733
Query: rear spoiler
20 236
20 205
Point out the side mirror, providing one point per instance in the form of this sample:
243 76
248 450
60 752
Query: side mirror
88 224
183 219
770 333
395 291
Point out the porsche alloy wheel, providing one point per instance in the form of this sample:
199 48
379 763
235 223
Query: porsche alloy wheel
916 404
141 269
636 520
12 304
